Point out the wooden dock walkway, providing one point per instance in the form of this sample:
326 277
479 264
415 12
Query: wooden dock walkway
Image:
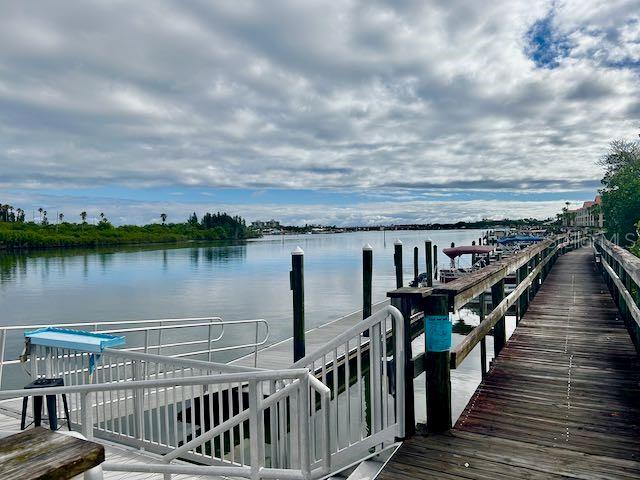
562 400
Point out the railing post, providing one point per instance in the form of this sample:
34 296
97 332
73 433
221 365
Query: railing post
367 280
3 341
255 431
437 366
397 261
415 263
86 407
499 331
297 286
483 342
428 253
536 280
523 301
403 304
305 434
138 400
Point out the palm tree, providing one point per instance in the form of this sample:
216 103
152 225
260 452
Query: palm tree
60 217
40 212
163 217
20 216
83 216
44 217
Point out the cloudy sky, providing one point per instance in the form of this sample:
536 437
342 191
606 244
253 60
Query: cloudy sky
345 112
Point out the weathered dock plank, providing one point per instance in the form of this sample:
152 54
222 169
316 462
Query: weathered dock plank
561 401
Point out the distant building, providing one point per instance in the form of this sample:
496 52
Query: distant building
589 215
269 224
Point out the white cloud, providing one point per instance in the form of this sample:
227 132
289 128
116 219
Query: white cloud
368 96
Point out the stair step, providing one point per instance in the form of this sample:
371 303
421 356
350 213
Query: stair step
367 469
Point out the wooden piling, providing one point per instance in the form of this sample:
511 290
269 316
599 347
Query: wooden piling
437 366
415 263
367 280
297 286
435 262
428 249
499 330
397 261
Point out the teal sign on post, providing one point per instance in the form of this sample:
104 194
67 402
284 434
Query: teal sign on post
438 333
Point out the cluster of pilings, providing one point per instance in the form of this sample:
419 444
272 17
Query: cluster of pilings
296 278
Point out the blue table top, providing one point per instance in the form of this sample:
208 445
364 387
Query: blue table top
80 340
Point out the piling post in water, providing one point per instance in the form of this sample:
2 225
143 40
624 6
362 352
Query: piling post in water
435 262
415 263
428 249
437 366
397 261
473 255
297 286
367 275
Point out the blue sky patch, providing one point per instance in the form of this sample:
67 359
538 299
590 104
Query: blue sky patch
545 45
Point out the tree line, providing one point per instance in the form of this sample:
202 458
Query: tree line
15 232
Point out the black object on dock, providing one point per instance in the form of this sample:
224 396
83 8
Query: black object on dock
52 407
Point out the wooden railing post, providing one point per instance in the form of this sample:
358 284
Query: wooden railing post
416 271
297 286
483 342
428 251
404 304
499 330
523 301
437 362
367 280
397 261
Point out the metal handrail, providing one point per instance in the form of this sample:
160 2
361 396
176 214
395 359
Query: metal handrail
159 326
347 349
301 382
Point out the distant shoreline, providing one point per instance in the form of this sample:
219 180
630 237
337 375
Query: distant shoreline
20 235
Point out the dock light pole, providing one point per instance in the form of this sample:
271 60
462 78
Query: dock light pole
367 275
428 249
297 286
397 261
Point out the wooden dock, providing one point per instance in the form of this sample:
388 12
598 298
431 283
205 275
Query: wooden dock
562 400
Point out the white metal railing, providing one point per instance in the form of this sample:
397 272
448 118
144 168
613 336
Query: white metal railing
333 408
261 432
364 368
197 336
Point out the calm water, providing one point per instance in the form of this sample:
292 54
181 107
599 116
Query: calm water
235 282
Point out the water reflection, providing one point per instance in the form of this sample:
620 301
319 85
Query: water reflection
110 283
